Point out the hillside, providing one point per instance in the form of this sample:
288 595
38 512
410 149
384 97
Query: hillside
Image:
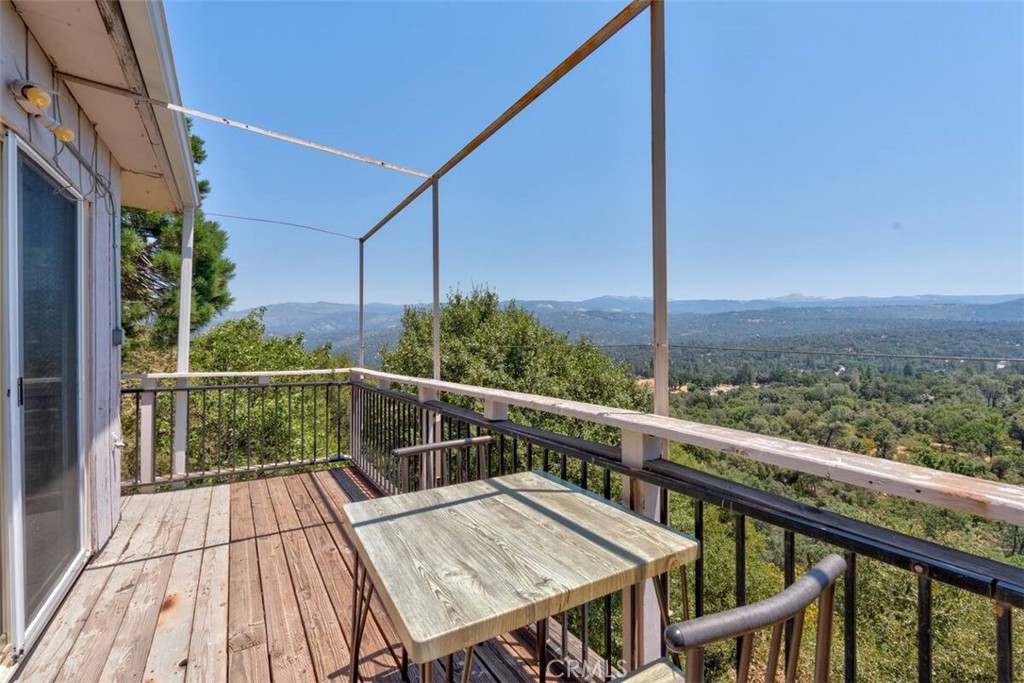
969 325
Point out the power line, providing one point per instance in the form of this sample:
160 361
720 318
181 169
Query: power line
293 225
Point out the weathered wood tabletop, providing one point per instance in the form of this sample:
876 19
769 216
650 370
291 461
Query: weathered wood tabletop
459 565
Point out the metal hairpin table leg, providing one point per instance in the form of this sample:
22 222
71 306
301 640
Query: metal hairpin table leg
659 591
467 665
542 649
362 594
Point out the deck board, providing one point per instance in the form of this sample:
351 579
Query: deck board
208 647
247 631
290 660
168 662
250 582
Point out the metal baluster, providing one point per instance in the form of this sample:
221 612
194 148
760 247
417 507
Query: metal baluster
607 599
138 438
302 422
850 619
788 576
924 626
263 427
312 457
327 422
223 443
698 565
1004 643
741 573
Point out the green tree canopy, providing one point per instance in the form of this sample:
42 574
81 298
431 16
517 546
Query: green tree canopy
151 266
503 346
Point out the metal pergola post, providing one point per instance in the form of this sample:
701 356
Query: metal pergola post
659 211
362 281
437 283
642 627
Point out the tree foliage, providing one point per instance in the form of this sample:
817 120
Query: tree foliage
489 344
151 266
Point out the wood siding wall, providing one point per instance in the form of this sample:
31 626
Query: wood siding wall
23 58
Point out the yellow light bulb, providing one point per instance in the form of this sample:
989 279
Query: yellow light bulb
64 134
37 96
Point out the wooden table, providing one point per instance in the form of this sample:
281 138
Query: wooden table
459 565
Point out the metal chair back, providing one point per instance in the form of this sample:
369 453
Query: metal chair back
693 636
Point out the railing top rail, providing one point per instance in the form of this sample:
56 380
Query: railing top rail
981 497
201 375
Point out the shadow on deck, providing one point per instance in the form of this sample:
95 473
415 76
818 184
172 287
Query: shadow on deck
249 581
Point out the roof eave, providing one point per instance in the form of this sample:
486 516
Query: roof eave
147 26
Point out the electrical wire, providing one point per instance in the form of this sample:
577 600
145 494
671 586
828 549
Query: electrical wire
292 225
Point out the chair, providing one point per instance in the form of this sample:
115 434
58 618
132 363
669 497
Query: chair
691 637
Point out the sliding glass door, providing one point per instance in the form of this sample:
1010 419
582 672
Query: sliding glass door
45 366
51 452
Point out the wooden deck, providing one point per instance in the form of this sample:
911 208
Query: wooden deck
250 581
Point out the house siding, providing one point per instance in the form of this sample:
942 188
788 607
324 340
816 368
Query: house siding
23 58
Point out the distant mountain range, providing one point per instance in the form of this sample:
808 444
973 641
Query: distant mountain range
612 320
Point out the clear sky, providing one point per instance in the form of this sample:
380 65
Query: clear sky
823 148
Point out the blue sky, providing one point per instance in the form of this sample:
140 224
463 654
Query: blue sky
825 148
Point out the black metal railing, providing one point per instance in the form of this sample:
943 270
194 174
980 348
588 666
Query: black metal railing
586 639
250 425
706 505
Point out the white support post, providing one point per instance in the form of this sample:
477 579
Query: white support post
641 615
495 410
147 431
179 464
430 463
437 283
362 280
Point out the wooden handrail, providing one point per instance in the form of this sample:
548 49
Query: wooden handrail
982 497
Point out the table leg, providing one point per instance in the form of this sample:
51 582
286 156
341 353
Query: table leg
427 672
405 665
362 594
449 667
542 649
353 644
467 665
659 590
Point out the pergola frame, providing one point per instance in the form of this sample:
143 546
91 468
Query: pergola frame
642 640
658 188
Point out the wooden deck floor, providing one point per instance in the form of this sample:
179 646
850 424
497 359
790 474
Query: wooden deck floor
243 582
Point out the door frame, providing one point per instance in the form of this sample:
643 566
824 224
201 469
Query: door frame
22 630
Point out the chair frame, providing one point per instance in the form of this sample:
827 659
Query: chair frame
691 637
